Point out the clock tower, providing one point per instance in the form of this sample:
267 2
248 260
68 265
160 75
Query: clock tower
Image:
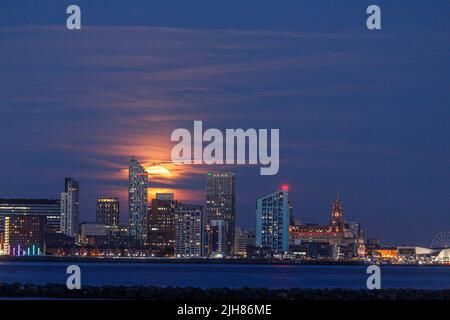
337 216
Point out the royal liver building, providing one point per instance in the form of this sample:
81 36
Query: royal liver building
137 201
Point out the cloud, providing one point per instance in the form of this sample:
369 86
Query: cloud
347 104
113 92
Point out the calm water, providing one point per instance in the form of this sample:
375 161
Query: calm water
225 275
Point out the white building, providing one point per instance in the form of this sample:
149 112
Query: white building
188 230
272 221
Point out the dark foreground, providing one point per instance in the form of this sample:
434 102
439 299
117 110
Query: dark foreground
57 291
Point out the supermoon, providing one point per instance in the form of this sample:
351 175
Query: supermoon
158 170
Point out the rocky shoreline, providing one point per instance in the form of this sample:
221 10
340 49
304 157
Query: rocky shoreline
190 293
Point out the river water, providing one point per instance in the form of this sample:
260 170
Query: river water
226 275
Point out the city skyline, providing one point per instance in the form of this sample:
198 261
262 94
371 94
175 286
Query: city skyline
135 168
361 113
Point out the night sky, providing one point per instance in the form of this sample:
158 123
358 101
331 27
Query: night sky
363 113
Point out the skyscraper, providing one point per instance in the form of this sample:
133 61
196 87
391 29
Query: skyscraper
161 222
188 230
272 221
108 212
221 205
70 207
137 201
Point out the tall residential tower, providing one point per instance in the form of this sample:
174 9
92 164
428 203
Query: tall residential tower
272 221
188 231
162 222
221 206
70 207
137 201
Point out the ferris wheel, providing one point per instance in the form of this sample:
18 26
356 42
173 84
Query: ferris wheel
441 240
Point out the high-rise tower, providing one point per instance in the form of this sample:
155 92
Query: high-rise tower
221 205
70 207
189 230
162 221
137 201
272 221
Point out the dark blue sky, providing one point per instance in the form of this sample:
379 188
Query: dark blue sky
363 113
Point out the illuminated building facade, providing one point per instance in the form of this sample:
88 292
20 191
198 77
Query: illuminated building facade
24 235
50 208
272 221
216 238
94 233
108 212
386 253
313 233
137 201
70 207
189 230
334 233
347 239
162 221
244 241
221 205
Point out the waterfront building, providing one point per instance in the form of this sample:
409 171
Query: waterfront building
108 212
319 250
70 207
311 232
221 205
49 208
162 222
216 241
189 230
355 236
272 221
244 241
388 253
24 235
337 232
347 239
121 231
90 229
58 241
119 238
94 233
413 254
137 201
333 233
337 223
443 256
